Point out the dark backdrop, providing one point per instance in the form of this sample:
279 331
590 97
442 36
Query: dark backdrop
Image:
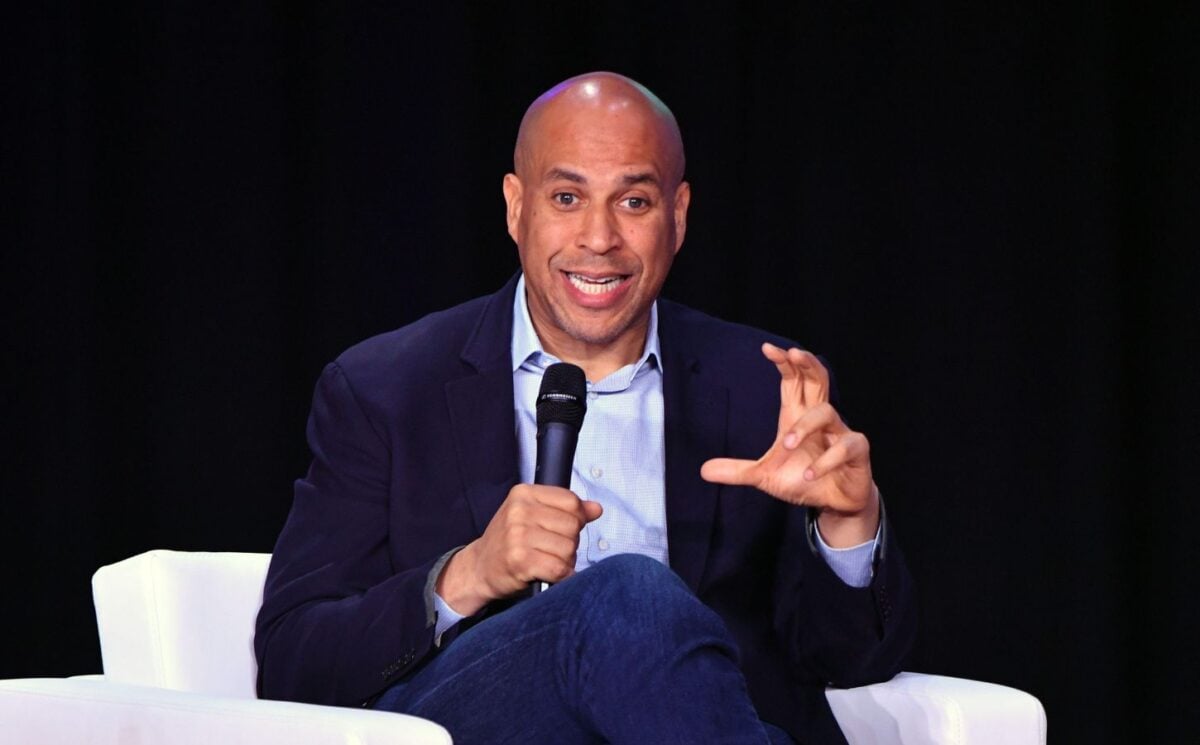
984 218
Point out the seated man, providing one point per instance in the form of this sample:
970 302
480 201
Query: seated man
722 554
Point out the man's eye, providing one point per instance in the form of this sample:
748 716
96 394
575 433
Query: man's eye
565 199
637 203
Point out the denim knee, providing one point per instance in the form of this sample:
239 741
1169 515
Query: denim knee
635 596
632 571
631 579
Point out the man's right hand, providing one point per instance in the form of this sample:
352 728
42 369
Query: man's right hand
533 536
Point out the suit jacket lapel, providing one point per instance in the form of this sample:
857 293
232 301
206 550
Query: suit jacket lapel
481 410
696 410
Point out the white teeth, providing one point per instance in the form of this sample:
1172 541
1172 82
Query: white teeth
593 286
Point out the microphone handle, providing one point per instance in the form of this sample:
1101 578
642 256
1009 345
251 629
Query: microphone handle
555 456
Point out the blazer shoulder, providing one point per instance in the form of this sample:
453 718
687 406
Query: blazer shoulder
702 335
728 350
420 358
439 334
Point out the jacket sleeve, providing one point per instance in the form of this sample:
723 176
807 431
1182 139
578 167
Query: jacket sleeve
841 635
339 623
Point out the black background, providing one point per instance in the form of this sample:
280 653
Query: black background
984 217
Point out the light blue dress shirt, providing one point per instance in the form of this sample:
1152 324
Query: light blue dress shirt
620 460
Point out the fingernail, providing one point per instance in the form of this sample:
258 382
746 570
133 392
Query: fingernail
790 440
809 475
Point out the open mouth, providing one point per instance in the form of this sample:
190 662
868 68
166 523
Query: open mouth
596 285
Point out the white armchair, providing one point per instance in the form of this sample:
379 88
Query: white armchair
176 638
176 633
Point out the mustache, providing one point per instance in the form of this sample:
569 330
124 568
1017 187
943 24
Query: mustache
594 267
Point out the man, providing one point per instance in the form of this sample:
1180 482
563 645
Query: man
400 578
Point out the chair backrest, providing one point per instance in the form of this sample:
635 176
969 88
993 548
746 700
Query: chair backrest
181 620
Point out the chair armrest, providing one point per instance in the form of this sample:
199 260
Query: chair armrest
918 708
182 620
68 711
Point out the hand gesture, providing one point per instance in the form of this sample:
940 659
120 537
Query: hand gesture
816 460
533 536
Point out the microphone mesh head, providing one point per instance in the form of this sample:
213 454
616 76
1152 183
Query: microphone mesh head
563 396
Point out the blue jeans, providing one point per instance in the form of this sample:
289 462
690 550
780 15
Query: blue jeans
620 653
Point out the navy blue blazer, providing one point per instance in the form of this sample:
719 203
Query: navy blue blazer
414 449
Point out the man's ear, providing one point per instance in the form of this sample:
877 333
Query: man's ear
683 197
512 197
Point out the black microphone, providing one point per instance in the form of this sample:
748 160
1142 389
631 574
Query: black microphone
561 404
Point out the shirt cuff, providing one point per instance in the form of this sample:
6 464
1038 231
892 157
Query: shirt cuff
438 612
854 565
446 618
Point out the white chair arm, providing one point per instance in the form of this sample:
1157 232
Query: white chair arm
181 619
916 708
69 711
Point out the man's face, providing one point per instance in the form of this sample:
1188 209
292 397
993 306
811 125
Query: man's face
598 218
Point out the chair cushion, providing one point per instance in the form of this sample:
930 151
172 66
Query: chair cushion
69 711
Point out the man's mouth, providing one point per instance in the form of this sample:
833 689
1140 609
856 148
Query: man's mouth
596 285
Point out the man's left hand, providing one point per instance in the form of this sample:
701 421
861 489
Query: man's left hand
816 460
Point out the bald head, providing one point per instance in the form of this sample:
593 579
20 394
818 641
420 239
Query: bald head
598 210
592 94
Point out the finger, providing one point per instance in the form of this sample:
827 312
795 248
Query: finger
813 375
550 568
540 555
774 353
581 511
591 510
779 357
791 386
849 449
820 419
559 546
563 522
558 498
733 471
551 496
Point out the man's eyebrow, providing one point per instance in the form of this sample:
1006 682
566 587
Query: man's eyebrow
562 174
640 178
556 174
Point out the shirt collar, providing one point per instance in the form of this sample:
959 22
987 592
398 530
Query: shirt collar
526 347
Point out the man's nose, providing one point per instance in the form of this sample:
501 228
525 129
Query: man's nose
599 232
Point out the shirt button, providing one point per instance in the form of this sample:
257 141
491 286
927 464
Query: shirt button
597 472
592 395
602 544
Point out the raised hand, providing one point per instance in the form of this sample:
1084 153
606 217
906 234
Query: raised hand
534 535
816 460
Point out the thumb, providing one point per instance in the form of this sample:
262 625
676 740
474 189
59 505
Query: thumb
728 471
591 510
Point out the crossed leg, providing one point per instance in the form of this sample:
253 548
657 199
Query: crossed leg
620 653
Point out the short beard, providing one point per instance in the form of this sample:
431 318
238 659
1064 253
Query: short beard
565 323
